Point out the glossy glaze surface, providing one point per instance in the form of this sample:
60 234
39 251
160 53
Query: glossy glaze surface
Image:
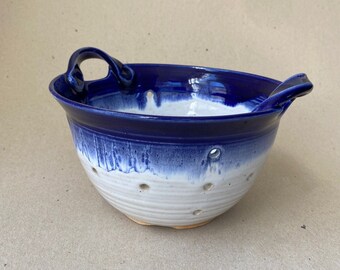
192 161
172 145
170 184
173 200
191 106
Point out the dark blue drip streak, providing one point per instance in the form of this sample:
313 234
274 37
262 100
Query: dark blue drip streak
113 154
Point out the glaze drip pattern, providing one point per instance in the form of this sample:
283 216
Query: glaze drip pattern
193 160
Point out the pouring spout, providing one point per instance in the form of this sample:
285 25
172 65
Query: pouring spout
284 94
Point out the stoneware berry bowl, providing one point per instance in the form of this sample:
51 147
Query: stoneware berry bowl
172 145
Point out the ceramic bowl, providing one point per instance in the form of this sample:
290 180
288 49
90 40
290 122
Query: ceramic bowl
172 145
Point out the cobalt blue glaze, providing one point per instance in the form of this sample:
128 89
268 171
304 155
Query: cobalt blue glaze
164 144
164 158
157 164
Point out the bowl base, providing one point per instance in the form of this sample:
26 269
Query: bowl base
183 227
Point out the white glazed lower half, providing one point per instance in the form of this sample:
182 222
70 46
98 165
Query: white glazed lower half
173 201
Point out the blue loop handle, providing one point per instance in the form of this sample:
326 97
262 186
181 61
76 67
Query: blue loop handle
123 74
282 96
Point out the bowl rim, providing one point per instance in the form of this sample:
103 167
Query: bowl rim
139 116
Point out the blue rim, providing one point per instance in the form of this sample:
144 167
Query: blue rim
119 114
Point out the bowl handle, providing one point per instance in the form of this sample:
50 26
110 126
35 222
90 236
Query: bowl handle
284 94
123 74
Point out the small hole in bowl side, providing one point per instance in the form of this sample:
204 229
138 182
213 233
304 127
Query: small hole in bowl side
249 176
208 186
144 187
197 212
214 154
94 170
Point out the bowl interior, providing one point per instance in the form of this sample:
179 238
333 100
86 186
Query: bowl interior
171 90
169 103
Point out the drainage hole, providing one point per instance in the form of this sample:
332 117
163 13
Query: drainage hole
144 186
197 212
208 186
214 154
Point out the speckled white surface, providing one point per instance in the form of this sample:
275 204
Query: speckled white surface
51 216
